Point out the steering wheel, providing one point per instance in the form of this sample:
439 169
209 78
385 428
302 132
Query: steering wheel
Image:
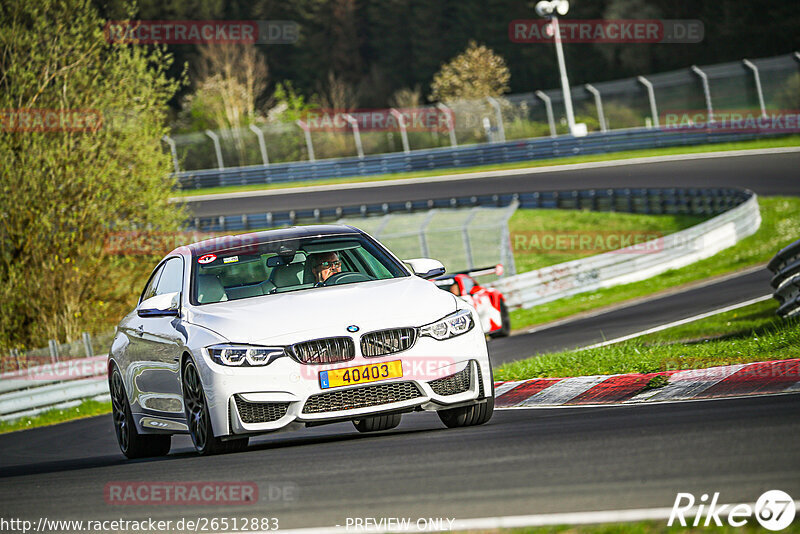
346 278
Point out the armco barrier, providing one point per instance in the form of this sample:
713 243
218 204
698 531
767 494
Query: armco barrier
786 266
464 156
649 201
634 263
36 389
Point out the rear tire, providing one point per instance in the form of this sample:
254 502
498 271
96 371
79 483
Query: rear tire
476 414
377 423
505 322
131 443
199 420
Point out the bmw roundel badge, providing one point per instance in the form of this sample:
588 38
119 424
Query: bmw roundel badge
352 328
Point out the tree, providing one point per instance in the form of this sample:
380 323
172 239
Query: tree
232 79
63 192
475 73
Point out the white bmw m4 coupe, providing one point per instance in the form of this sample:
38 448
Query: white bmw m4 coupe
284 329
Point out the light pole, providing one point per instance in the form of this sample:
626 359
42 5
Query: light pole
551 9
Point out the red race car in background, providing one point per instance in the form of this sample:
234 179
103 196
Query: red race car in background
489 303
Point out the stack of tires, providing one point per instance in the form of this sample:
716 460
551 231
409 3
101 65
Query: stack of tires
786 280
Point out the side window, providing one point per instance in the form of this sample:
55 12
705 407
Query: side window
150 288
171 280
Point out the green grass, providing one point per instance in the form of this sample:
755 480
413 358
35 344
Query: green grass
750 334
529 228
87 408
649 527
793 140
780 226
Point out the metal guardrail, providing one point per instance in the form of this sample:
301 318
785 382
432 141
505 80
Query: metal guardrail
44 387
786 266
463 156
695 201
634 263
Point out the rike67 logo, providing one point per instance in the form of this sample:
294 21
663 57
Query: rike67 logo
774 510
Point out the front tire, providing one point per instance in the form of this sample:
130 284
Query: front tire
199 420
377 423
475 414
131 443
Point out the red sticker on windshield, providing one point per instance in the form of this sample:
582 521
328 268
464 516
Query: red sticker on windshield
208 258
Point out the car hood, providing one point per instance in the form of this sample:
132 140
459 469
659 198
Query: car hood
285 318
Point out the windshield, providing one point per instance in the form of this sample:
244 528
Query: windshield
281 266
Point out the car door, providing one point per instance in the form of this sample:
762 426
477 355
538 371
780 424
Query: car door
132 327
159 348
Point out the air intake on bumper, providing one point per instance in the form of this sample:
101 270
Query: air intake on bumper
260 412
453 384
362 397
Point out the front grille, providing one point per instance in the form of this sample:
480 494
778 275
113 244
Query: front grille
362 397
329 350
387 341
453 384
260 412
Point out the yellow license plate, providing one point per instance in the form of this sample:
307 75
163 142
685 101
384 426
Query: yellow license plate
359 375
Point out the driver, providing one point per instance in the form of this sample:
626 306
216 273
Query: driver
324 265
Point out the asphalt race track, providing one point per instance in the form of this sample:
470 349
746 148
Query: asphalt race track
521 462
770 174
631 319
524 461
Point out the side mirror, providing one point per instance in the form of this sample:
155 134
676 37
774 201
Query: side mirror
426 268
164 305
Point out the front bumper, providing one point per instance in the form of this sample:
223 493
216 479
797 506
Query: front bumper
287 395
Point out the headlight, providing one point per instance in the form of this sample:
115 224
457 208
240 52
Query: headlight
453 325
247 355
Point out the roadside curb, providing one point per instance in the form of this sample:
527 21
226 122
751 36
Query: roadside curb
758 378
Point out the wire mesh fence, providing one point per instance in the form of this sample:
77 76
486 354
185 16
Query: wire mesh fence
462 239
86 347
756 85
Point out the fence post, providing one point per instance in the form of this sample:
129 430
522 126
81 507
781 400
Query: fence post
506 247
501 131
261 144
401 122
706 91
465 238
423 242
651 96
548 105
757 78
214 137
87 345
598 102
379 230
356 134
451 128
309 144
171 142
53 346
